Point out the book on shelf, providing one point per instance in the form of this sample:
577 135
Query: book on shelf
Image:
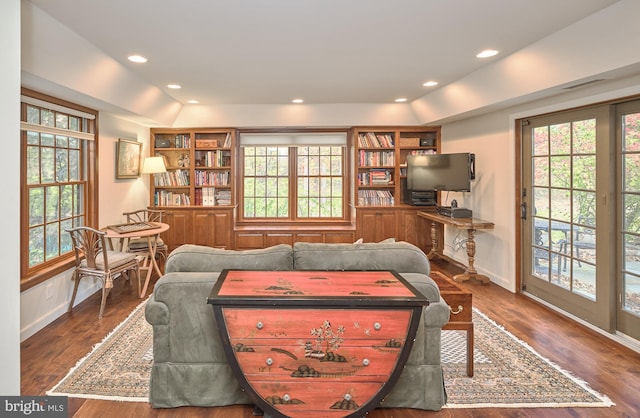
223 197
213 158
227 141
208 196
375 177
374 140
171 178
375 198
183 141
377 158
212 178
169 198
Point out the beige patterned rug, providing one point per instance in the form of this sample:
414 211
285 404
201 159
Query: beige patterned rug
508 373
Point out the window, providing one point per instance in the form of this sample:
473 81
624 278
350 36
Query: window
58 182
287 177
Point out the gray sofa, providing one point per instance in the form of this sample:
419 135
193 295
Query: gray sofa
190 367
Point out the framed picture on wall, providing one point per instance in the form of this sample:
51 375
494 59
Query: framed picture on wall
128 159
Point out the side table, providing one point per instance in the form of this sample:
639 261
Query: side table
460 303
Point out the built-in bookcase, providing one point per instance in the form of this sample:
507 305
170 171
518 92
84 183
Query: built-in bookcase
199 167
381 161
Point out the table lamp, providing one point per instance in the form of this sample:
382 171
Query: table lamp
153 165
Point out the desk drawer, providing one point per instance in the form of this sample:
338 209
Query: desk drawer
460 305
458 299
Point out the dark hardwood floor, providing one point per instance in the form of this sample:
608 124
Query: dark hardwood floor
608 367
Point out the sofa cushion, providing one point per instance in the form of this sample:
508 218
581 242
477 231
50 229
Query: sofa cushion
399 256
190 257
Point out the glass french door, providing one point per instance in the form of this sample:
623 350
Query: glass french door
628 225
566 240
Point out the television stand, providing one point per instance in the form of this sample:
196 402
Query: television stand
471 225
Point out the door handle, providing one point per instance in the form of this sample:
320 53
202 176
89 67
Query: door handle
523 210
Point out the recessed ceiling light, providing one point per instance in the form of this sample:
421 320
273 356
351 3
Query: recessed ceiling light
401 100
174 86
297 101
487 53
192 101
430 83
137 58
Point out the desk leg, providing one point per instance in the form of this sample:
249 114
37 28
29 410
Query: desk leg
471 272
435 251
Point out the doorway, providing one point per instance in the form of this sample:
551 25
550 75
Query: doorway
566 257
581 213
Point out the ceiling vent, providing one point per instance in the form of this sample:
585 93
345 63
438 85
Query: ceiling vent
586 83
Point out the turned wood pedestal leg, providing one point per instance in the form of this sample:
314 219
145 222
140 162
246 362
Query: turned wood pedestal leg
471 272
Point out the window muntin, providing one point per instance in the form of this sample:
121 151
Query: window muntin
266 182
56 180
293 177
320 182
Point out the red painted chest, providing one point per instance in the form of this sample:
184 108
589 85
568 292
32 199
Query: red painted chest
316 343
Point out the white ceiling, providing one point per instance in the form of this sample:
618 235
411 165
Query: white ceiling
323 51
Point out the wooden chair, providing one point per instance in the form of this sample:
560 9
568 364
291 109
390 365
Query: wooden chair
140 245
94 259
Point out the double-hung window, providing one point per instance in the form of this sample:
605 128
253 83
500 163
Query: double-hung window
58 182
298 176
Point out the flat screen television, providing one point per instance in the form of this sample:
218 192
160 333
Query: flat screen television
440 172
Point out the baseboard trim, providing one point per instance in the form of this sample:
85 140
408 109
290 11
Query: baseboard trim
618 337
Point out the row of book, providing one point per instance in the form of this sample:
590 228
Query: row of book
183 141
227 141
375 198
375 178
172 178
205 196
168 198
210 196
377 158
213 158
212 178
374 140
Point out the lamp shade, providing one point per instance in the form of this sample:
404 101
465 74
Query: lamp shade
153 165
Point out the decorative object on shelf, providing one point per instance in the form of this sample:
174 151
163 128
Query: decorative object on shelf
127 159
162 143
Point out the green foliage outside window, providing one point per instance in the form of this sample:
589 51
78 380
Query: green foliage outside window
317 176
55 184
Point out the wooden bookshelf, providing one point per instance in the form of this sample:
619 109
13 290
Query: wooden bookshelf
381 158
199 167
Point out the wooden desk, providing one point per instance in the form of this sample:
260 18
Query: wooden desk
149 263
316 344
471 225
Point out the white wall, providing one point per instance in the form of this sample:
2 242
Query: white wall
43 303
10 227
290 115
493 195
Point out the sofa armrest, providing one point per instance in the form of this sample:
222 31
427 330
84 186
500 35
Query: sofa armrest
184 330
156 313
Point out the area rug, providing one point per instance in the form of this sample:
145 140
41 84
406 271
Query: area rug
508 373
